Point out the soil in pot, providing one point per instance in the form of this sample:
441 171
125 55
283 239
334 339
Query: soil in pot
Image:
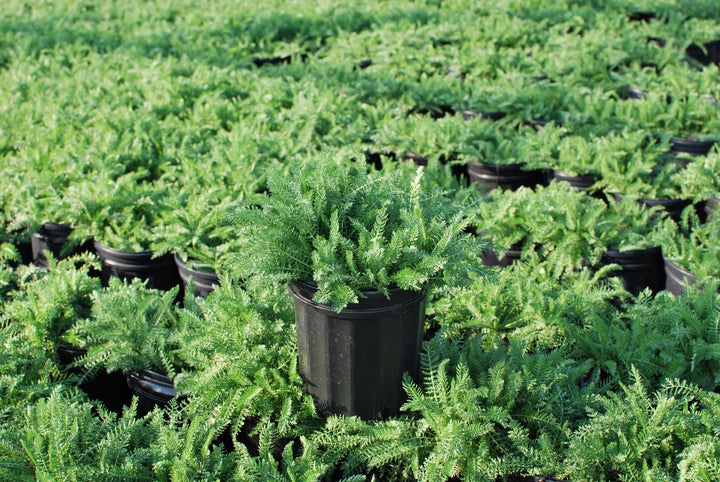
205 281
353 361
161 273
677 277
508 177
639 268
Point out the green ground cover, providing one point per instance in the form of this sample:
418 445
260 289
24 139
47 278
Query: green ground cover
143 125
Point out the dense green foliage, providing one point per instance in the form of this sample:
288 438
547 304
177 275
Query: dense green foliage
348 229
151 125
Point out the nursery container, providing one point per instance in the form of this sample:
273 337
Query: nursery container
67 355
353 361
631 92
151 388
110 388
52 237
205 281
161 272
694 148
639 268
711 206
673 207
24 249
492 116
710 54
510 176
581 182
513 254
677 277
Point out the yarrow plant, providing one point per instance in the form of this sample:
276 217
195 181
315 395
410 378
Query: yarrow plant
346 228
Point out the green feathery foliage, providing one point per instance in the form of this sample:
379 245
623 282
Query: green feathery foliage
523 302
240 346
346 228
48 306
691 244
179 448
130 327
32 323
195 230
701 179
8 277
120 212
637 435
564 226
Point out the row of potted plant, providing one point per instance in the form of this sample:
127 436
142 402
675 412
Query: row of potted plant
135 111
534 342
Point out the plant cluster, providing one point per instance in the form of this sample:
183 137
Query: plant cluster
148 125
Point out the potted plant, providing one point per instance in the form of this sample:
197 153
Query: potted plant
574 161
194 228
688 123
50 302
493 158
572 230
634 165
359 250
690 251
121 216
701 181
131 335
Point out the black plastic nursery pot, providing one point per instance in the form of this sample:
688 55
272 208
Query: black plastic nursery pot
708 54
109 388
52 237
491 116
151 388
631 92
205 281
24 249
507 177
694 148
581 182
639 268
353 361
672 207
161 272
512 255
711 206
677 277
